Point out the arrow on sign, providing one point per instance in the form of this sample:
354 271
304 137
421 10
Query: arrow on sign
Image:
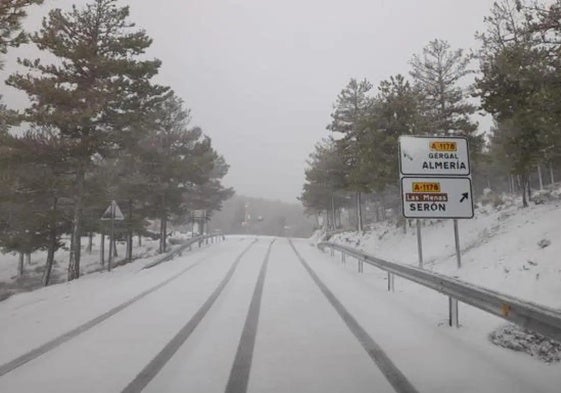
465 196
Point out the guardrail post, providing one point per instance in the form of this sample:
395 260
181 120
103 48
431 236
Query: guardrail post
332 251
453 313
343 256
391 282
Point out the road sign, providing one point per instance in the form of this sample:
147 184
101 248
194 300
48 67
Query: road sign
437 197
433 156
113 212
199 214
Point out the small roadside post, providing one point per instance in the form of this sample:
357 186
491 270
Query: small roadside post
112 213
435 178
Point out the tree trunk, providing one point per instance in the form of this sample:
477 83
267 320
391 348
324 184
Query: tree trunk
115 254
75 240
28 259
20 265
129 234
102 249
165 234
90 243
524 187
359 211
333 224
139 240
540 176
46 280
513 184
551 173
163 219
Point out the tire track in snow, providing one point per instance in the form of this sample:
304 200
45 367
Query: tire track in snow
159 361
394 376
239 374
63 338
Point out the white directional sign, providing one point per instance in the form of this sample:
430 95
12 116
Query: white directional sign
437 197
433 156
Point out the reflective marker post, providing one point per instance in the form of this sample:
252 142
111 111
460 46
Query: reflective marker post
453 315
391 282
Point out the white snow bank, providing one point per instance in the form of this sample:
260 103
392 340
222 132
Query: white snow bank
506 248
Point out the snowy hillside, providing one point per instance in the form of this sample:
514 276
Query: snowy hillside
506 248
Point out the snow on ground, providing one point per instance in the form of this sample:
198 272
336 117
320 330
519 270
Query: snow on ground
411 327
90 262
302 344
48 312
508 249
119 347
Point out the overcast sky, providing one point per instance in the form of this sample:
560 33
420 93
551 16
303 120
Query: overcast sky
261 76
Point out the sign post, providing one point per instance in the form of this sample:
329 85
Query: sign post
112 213
436 184
419 244
199 216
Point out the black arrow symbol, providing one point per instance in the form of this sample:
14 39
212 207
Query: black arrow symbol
465 196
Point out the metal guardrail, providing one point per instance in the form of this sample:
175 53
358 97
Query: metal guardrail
200 240
328 234
544 320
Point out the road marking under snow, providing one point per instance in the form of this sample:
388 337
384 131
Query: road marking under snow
159 361
394 376
239 375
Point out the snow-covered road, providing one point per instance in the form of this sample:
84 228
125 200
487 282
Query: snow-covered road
256 316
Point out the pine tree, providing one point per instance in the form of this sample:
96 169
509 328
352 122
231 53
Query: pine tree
350 110
396 111
174 160
438 72
11 14
11 35
511 87
33 185
94 94
326 180
210 194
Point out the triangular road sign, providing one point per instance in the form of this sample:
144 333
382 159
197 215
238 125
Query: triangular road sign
114 212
